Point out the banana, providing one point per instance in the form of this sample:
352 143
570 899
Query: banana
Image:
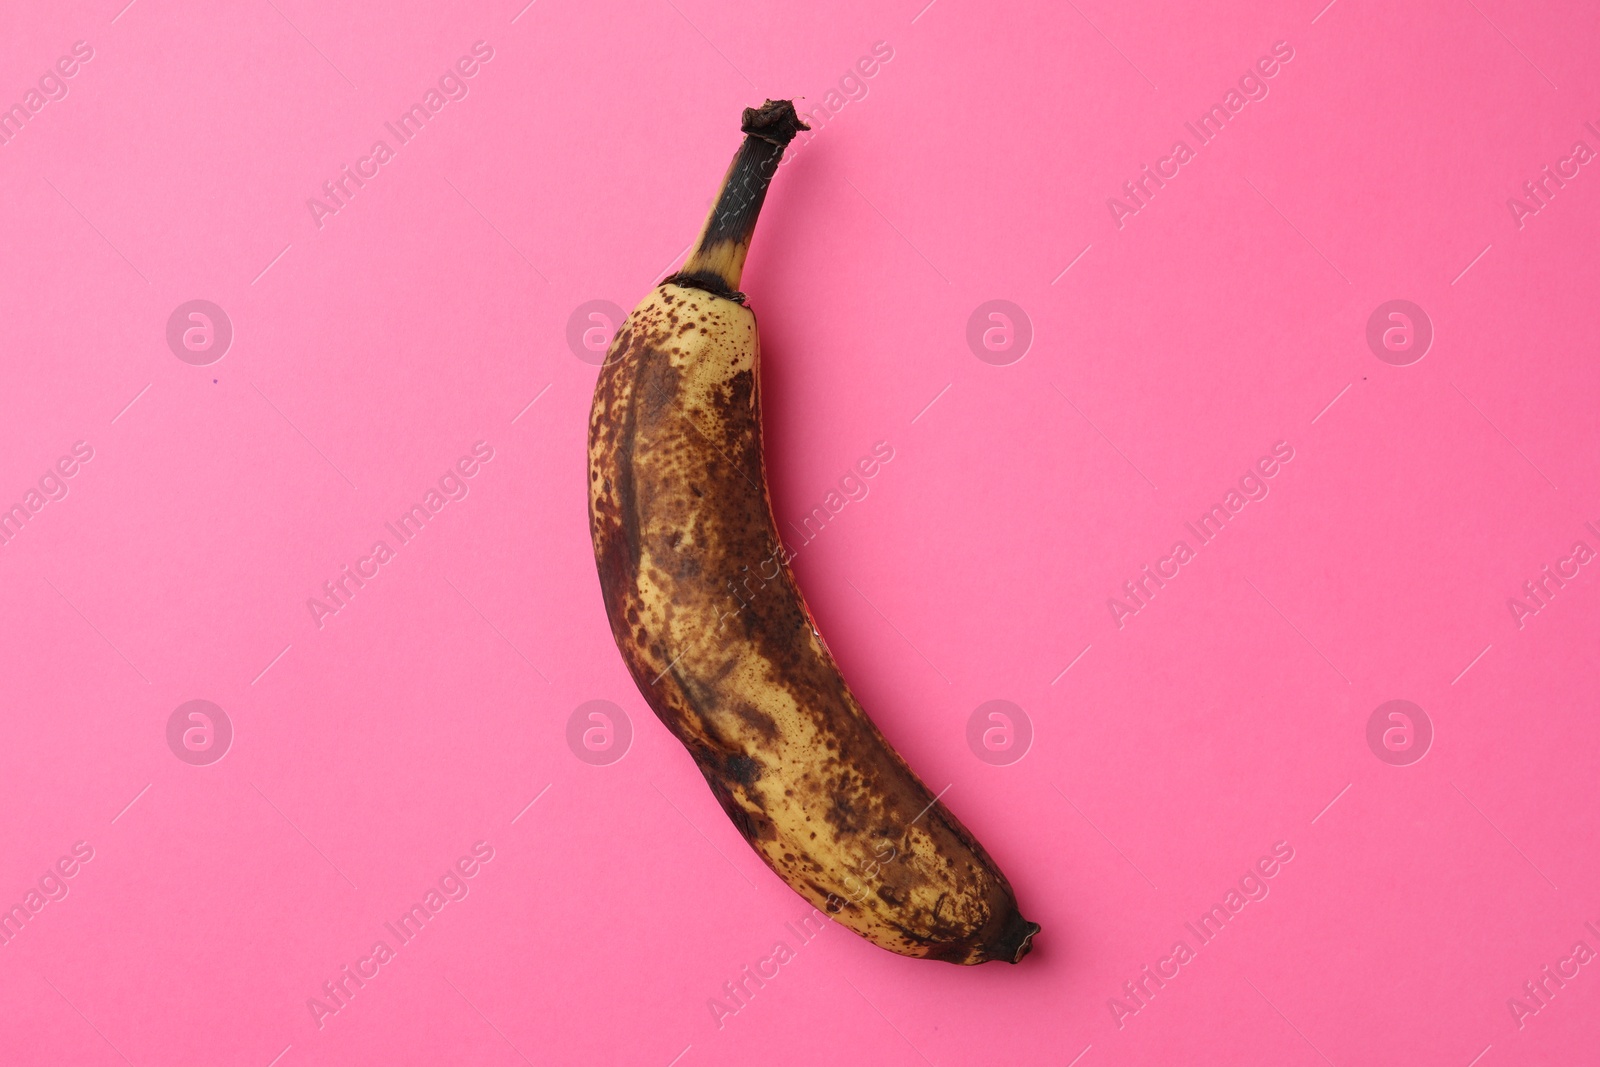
717 636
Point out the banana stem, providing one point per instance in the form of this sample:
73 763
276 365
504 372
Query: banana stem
717 261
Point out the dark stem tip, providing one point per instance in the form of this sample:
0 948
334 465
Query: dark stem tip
776 121
1019 946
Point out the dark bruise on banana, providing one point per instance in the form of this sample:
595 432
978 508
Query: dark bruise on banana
679 511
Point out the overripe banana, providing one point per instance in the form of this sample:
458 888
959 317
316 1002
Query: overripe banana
709 620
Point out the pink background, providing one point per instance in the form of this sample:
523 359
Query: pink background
1227 715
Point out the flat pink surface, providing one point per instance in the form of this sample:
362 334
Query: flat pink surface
1180 334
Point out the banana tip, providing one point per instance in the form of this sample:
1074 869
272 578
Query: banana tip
1025 943
775 121
1015 941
